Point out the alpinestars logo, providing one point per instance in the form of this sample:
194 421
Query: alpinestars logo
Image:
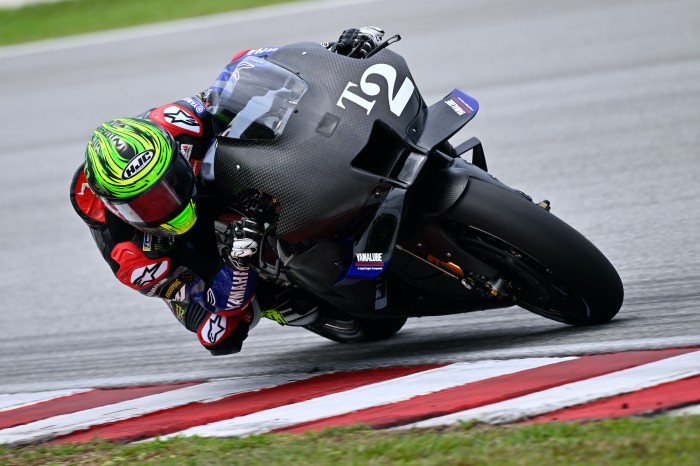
144 276
177 120
216 326
179 117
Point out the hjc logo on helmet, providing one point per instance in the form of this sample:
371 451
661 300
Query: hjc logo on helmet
137 163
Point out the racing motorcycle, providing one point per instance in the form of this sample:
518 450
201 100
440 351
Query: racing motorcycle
371 213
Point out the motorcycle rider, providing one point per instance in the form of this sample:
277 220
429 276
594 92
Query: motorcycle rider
160 230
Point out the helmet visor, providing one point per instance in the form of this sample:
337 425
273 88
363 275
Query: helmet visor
162 202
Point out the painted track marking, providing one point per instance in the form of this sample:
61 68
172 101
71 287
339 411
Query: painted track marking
603 385
628 380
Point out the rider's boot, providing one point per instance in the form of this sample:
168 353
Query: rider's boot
293 307
221 333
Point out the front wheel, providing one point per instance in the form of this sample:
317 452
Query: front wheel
545 266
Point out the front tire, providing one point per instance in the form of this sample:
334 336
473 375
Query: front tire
552 270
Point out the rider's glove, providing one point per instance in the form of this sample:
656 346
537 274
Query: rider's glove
357 43
239 240
370 36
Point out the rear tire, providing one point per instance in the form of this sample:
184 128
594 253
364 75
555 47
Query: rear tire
357 330
552 269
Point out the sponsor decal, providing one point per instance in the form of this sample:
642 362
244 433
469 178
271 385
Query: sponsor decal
274 314
211 298
179 312
182 118
149 274
186 150
214 329
369 260
239 285
138 163
367 265
118 143
457 109
174 286
232 288
459 105
462 104
196 166
147 242
180 295
155 289
196 104
262 51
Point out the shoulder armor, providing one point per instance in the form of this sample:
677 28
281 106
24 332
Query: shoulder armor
178 118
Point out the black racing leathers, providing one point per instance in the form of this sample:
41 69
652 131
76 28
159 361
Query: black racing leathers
186 271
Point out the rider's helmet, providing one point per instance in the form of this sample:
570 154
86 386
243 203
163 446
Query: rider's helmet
135 167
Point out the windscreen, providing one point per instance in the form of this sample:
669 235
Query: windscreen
253 99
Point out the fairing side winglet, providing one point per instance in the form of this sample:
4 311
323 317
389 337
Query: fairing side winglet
445 118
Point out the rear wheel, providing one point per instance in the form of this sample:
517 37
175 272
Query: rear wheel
545 266
357 330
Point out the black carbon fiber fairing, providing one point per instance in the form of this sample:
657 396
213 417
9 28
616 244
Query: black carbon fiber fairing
309 168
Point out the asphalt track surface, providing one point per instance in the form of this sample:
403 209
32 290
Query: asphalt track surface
594 105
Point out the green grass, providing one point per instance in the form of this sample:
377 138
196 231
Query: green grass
43 21
637 441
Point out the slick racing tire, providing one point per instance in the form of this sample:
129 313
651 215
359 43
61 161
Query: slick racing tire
357 330
550 269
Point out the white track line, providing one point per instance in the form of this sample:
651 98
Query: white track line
625 381
390 391
177 26
66 423
566 349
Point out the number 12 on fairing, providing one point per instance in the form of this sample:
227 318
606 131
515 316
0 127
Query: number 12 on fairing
397 103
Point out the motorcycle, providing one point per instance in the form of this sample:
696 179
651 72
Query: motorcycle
373 215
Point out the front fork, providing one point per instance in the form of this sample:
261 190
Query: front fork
433 246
